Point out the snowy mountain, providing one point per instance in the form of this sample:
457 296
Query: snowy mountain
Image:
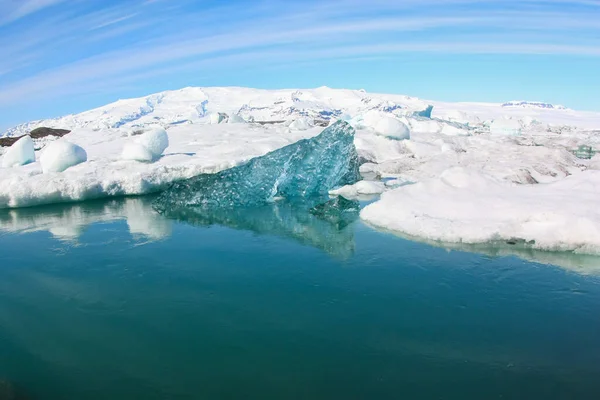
195 105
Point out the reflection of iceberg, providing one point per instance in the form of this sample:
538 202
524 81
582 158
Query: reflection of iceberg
309 167
69 221
580 263
324 227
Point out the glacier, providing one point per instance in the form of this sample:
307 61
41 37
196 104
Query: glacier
528 146
308 168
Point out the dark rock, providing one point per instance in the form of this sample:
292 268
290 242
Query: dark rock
37 133
42 132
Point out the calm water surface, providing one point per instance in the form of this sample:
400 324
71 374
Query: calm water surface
107 300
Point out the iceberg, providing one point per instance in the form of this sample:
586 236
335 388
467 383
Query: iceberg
468 206
307 168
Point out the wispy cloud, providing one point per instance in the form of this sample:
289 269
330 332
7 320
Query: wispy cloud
73 47
12 10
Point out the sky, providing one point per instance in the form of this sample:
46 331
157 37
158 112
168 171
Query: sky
60 57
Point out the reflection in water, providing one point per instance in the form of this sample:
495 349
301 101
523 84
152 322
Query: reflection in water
324 226
69 221
584 264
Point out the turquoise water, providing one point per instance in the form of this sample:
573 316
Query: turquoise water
108 300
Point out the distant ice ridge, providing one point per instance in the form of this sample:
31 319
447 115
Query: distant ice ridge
468 207
533 104
195 105
307 168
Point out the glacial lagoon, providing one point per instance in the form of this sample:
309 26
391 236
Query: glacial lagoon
109 299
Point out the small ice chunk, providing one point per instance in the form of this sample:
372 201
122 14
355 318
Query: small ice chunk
236 119
359 188
392 128
216 118
155 140
60 155
20 153
136 152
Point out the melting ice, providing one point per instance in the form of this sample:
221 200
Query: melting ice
307 168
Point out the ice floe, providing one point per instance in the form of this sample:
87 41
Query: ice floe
467 206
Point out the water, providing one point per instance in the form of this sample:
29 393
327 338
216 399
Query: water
117 302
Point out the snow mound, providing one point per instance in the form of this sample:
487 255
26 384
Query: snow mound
392 128
155 140
136 152
476 208
301 124
60 155
20 153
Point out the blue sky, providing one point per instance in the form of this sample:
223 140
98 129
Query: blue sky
65 56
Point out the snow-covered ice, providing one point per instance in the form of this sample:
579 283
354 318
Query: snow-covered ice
193 150
20 153
136 152
505 126
301 124
60 155
467 206
155 140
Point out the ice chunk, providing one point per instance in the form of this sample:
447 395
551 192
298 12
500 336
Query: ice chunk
426 113
217 118
60 155
309 167
477 208
136 152
392 128
20 153
358 189
505 126
236 119
155 140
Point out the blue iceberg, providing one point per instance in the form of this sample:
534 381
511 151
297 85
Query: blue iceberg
305 169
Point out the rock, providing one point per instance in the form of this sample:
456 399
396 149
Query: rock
37 133
42 132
